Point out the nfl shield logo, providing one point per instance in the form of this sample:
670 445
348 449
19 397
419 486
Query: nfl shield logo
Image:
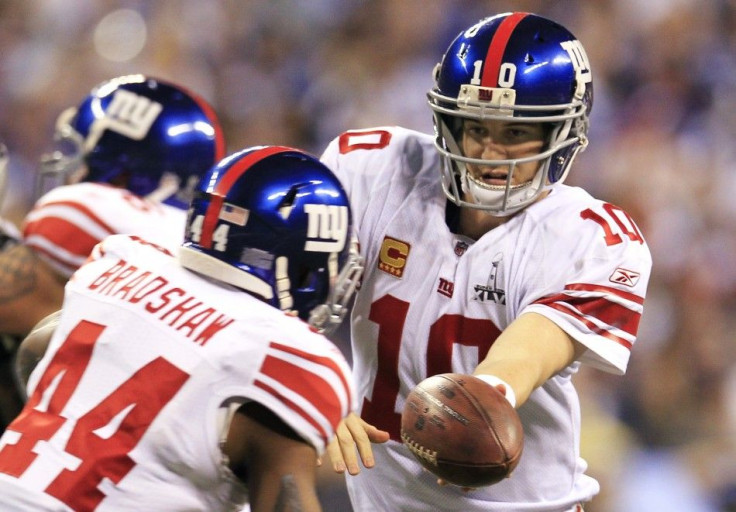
460 248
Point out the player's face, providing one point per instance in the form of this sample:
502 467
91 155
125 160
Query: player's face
502 140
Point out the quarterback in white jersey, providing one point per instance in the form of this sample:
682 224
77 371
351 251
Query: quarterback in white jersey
157 361
509 275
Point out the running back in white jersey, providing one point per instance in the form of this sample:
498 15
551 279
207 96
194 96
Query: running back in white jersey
124 406
432 301
67 222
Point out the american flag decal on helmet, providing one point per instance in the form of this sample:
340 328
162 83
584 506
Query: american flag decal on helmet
223 186
234 214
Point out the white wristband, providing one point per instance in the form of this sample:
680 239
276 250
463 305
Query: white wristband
495 381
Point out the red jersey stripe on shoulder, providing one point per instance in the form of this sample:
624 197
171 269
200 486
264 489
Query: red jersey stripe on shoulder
590 325
607 312
605 289
309 385
60 233
324 361
294 407
498 47
224 185
79 207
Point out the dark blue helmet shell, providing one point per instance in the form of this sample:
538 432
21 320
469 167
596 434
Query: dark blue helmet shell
513 65
136 130
527 46
279 220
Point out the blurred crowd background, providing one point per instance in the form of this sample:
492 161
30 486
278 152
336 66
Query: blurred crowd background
661 438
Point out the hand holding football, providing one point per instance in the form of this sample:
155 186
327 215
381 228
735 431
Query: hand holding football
462 429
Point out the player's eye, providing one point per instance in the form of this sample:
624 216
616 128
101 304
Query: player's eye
475 130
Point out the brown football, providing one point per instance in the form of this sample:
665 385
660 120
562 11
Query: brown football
462 429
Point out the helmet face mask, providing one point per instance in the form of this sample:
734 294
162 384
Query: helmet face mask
276 222
139 133
65 163
512 67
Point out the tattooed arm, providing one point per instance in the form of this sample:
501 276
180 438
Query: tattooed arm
29 290
278 466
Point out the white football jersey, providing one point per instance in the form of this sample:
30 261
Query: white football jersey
67 222
126 408
432 301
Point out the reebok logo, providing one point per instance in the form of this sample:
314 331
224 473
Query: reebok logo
624 277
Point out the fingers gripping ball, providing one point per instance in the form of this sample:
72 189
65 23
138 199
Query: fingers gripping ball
462 429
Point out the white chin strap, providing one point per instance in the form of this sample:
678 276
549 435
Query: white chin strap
503 200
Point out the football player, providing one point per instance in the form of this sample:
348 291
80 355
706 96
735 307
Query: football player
127 157
479 260
196 380
133 150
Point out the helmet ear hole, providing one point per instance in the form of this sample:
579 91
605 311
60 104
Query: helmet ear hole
436 71
307 278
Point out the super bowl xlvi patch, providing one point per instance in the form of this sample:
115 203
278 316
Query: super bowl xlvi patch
492 290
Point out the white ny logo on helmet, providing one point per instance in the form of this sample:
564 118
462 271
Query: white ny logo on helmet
327 228
579 60
127 114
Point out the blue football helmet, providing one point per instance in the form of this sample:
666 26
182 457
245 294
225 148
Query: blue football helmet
516 66
136 132
276 222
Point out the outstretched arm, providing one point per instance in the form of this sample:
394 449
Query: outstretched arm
29 290
277 465
528 352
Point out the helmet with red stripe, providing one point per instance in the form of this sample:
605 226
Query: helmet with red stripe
513 66
152 137
276 222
